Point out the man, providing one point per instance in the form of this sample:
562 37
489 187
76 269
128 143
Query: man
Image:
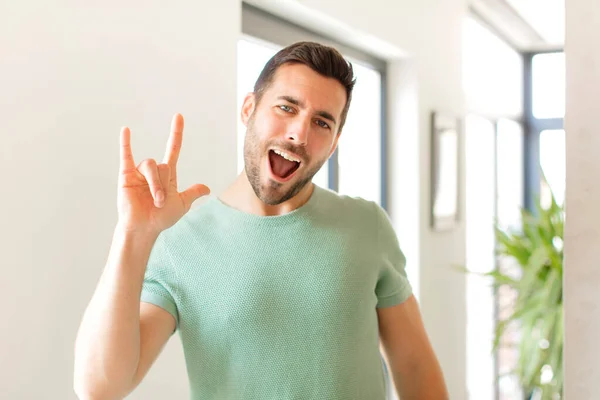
279 289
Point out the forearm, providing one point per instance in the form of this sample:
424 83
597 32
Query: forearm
107 347
422 381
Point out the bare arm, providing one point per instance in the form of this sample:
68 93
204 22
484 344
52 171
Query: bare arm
415 369
156 327
119 338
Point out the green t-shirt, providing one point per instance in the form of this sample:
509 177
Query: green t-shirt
280 307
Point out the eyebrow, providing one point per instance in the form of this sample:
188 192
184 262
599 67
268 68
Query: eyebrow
299 103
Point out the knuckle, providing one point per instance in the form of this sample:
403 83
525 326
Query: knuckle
148 162
149 173
147 165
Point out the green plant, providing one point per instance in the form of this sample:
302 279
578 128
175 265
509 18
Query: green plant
536 251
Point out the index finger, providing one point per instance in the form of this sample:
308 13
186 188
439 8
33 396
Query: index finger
175 140
126 155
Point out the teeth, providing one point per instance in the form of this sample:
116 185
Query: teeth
286 155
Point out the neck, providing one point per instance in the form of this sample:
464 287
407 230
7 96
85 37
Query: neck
241 196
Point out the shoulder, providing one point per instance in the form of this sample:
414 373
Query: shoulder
351 208
358 211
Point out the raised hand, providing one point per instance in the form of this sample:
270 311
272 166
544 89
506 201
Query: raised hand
148 200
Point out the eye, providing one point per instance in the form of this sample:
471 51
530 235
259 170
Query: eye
285 108
322 124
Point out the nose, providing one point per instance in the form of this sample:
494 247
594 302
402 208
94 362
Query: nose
299 130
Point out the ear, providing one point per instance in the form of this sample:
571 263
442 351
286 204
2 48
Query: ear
248 108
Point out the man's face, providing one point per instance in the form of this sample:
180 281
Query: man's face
297 118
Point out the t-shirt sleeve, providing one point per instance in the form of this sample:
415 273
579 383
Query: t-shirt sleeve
393 286
160 279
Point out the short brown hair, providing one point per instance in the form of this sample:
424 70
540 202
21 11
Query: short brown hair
325 60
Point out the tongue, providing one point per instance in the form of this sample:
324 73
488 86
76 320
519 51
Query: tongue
280 166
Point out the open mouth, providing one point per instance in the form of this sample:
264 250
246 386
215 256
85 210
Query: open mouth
282 165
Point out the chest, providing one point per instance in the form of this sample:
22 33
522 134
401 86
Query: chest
321 282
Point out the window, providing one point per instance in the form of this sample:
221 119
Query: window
253 54
548 81
493 84
480 198
356 168
545 146
510 173
521 98
359 157
509 195
494 169
492 73
552 163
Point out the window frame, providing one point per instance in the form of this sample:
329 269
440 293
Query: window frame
261 25
533 128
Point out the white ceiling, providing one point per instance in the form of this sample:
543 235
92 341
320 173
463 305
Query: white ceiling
529 25
547 17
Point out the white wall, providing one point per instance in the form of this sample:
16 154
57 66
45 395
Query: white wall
72 75
582 232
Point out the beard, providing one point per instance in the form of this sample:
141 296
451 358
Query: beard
272 192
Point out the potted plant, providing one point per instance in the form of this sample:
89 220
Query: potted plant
535 252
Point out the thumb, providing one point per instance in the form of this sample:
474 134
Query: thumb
193 193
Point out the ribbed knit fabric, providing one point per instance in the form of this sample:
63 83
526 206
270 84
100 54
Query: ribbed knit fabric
280 307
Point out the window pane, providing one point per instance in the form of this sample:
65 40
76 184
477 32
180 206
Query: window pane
510 173
548 85
480 198
492 73
252 57
510 196
360 144
321 178
552 161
